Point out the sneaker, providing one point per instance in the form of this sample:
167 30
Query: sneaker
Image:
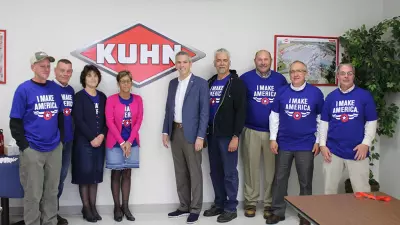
177 214
193 218
213 211
61 221
226 217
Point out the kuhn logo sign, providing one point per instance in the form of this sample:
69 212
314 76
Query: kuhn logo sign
147 54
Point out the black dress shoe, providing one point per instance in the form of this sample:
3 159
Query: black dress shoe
226 217
61 221
95 213
87 215
128 214
118 214
213 211
274 219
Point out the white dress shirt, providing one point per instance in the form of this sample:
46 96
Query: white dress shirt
179 97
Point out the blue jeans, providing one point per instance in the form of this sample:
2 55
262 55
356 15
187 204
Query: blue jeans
66 161
224 173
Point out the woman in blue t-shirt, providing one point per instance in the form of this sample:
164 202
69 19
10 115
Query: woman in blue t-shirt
89 140
124 114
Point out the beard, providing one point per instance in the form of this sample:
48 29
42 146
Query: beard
222 70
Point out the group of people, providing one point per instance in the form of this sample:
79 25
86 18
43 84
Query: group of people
54 127
273 120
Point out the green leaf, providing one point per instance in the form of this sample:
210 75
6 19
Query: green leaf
390 84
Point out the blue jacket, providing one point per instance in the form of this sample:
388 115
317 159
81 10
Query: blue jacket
195 110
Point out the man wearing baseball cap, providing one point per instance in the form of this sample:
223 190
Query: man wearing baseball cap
36 123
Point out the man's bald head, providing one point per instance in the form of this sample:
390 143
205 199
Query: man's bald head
263 53
263 61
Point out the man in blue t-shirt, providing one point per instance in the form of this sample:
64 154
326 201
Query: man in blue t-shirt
348 127
293 125
63 73
36 123
262 84
227 117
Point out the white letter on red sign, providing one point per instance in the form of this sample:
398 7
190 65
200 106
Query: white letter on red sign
154 54
122 58
169 53
105 53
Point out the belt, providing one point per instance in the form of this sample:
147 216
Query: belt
177 125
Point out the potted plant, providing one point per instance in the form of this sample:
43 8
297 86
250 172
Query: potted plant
375 54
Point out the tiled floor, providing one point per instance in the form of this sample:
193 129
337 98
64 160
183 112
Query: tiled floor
162 219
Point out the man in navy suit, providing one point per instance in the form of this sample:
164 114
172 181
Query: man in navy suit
185 124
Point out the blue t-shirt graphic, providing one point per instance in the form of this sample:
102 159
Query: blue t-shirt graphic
67 97
216 95
127 120
38 107
298 111
261 94
347 114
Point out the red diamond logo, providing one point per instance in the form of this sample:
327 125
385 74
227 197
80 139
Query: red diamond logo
147 54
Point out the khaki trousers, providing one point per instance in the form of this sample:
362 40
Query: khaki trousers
358 173
39 175
188 173
254 148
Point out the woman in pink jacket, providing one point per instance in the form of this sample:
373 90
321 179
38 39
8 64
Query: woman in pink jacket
124 114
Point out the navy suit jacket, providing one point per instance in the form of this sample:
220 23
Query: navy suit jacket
195 109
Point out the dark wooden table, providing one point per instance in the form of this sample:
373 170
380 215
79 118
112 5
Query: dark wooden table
346 209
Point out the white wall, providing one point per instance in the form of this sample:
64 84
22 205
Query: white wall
391 8
390 152
243 27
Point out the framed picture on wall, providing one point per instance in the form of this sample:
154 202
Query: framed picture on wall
2 56
320 54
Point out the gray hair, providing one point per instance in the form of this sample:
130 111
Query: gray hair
222 50
345 64
298 61
183 53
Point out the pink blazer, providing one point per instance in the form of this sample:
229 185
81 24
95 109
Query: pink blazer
114 115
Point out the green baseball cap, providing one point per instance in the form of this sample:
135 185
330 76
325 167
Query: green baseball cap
39 56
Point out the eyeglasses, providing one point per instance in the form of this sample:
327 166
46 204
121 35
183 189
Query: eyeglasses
297 71
125 81
342 73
